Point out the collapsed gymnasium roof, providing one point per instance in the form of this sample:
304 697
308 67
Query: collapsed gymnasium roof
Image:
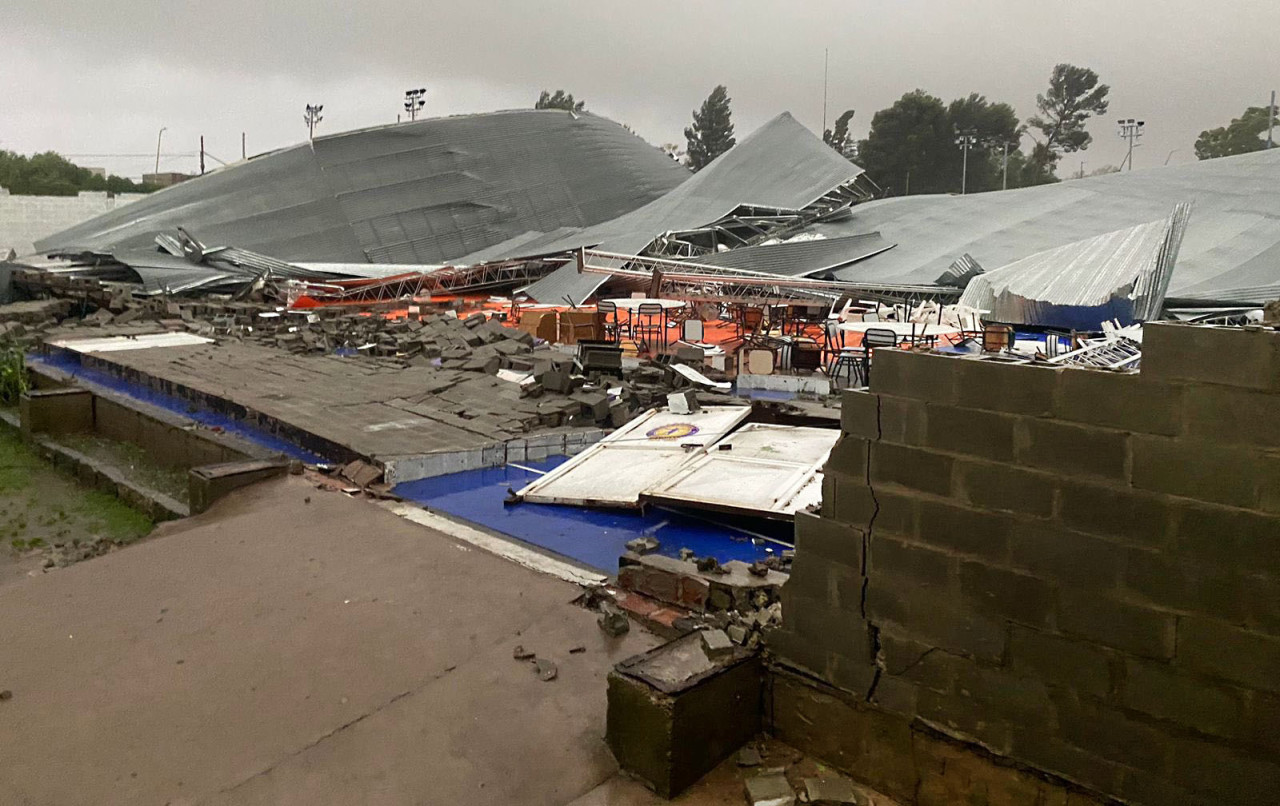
424 192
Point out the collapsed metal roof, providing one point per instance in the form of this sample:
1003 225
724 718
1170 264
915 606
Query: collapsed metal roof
424 192
800 258
781 166
1231 249
1120 276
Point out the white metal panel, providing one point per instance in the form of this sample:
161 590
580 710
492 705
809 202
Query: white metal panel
116 343
767 469
641 454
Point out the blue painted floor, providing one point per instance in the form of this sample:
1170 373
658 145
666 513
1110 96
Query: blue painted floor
595 538
69 363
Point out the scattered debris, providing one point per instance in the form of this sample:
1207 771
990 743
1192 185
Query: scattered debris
716 643
833 791
770 790
577 649
749 756
547 670
6 695
520 653
758 569
687 554
613 621
644 545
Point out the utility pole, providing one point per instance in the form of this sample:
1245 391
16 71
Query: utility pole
966 139
1131 130
414 101
1271 124
202 155
311 118
158 138
243 154
1005 184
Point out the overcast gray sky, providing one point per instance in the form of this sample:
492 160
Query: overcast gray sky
102 78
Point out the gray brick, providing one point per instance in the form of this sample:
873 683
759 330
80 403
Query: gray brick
1229 537
839 631
1120 400
849 456
1107 732
1131 516
1227 415
921 664
1077 665
982 534
896 511
1052 754
1022 700
1224 775
1160 691
984 434
1220 355
965 719
1139 630
1001 386
1137 786
860 414
1196 469
1007 594
827 539
911 467
934 618
855 674
896 695
914 375
1263 719
795 650
1070 557
1190 587
847 499
921 564
902 420
1004 487
1219 650
1072 449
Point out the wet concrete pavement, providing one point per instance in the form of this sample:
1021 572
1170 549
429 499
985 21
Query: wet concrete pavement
279 651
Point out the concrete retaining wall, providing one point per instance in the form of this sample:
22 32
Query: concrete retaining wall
1069 572
26 219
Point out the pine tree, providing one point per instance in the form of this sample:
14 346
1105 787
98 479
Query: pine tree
712 131
561 100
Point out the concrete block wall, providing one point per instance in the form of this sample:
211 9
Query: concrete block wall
26 219
1071 571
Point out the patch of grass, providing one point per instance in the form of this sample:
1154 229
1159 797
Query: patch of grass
13 374
112 518
17 463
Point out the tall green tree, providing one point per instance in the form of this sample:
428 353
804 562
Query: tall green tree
1243 135
839 136
712 131
1074 96
559 100
49 174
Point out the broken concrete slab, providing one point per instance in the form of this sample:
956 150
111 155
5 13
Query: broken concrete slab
769 790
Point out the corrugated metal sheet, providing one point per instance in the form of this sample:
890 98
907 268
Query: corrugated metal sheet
1121 275
781 166
1231 249
800 258
429 191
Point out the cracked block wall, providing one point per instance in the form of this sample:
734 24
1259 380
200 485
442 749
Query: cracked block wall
1072 570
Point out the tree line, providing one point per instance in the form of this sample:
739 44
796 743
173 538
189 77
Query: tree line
50 174
917 145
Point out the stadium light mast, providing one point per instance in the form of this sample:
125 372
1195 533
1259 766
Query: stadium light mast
312 117
1131 130
414 100
159 137
966 140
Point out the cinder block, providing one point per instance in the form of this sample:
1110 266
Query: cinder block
972 432
915 375
1162 692
911 467
843 632
827 539
1223 775
1122 513
860 414
896 695
1068 557
1202 470
1049 752
1229 415
966 720
1002 386
65 410
935 618
905 658
1004 487
1139 630
1228 537
849 456
1230 356
1129 402
922 565
1111 734
903 420
968 531
1072 449
1192 587
1002 593
1021 700
1217 649
848 499
1077 665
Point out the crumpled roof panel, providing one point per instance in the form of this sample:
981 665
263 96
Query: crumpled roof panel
800 258
429 191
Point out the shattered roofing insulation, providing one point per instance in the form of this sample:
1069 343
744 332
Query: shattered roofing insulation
424 192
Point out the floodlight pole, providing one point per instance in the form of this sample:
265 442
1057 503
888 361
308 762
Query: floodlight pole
1131 130
1005 184
158 138
1271 121
964 140
414 101
312 117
